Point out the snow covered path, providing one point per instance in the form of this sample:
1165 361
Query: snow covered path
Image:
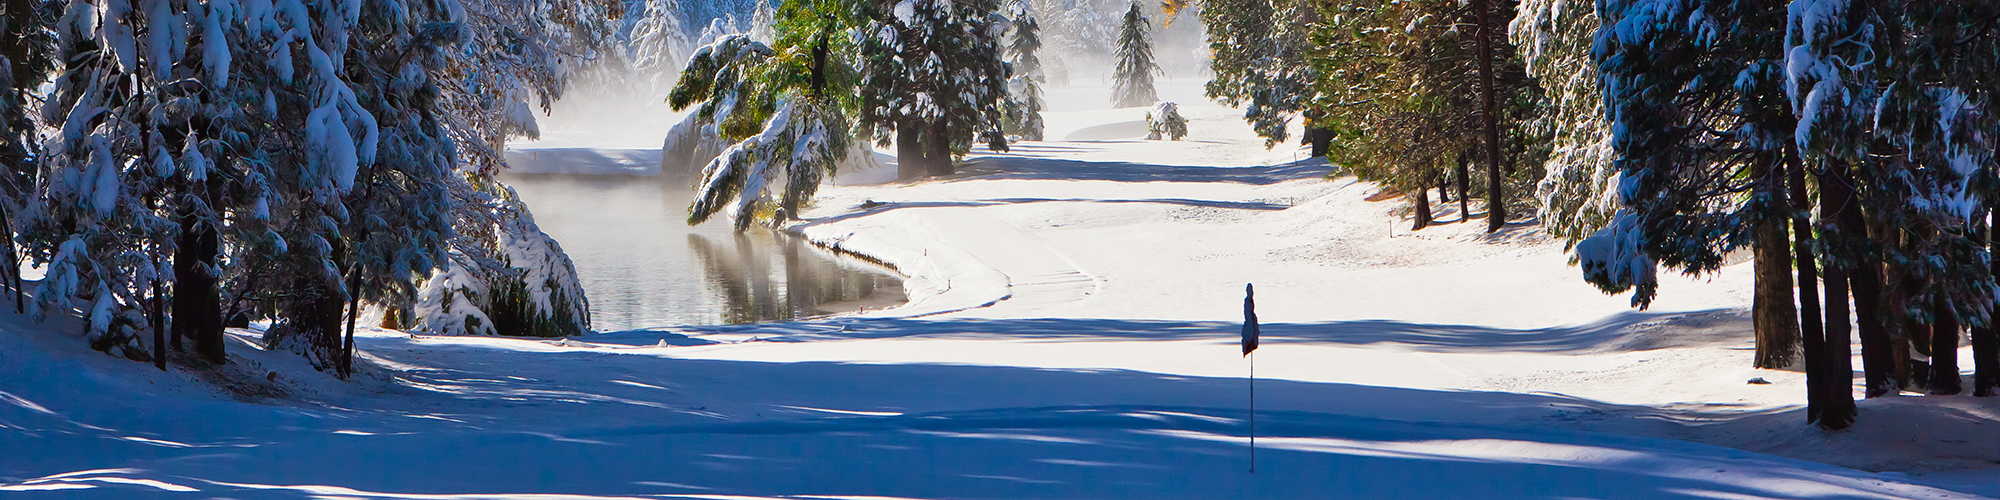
1071 335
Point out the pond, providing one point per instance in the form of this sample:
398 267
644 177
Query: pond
643 266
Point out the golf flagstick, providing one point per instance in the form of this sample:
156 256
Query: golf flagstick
1250 334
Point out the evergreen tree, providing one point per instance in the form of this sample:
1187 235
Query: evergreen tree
514 52
300 156
1577 197
1132 80
1400 86
27 44
1578 194
783 110
1078 34
103 220
936 81
1024 89
660 43
1260 56
1718 105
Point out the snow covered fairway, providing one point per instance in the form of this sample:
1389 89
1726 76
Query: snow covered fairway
1071 334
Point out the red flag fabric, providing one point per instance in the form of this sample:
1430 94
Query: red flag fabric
1250 332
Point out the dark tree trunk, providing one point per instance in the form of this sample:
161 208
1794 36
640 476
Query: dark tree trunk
1903 329
1864 275
1464 177
159 327
1496 205
909 151
353 313
1423 215
1944 350
1321 140
315 320
937 149
1812 331
11 267
1444 188
197 308
1832 384
1986 339
1773 311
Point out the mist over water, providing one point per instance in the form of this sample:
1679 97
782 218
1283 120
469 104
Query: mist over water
642 266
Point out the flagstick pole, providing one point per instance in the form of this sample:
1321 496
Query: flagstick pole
1253 412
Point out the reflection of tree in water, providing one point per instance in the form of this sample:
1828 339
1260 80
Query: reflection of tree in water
745 279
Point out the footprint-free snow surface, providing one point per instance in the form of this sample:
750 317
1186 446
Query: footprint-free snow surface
1071 333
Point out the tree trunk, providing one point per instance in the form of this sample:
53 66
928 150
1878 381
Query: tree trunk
1864 275
1444 187
159 320
1944 349
315 318
1903 329
937 149
1464 177
353 313
1321 140
909 151
11 267
1812 331
1423 215
1773 311
197 308
1496 205
1986 339
1832 384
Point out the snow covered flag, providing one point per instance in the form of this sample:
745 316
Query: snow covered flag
1249 320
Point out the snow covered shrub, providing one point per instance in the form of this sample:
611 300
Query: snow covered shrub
504 276
1165 120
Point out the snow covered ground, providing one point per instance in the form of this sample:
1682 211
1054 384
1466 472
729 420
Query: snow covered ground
1071 334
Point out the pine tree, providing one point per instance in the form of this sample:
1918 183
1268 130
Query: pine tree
783 111
1077 34
103 222
1717 104
660 42
936 81
1400 86
27 44
1260 54
1024 88
1577 196
1132 80
505 265
1704 165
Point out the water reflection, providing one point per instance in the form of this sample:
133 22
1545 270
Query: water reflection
809 285
622 234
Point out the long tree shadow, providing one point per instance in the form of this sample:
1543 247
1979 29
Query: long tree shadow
610 424
1629 330
1028 167
879 208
